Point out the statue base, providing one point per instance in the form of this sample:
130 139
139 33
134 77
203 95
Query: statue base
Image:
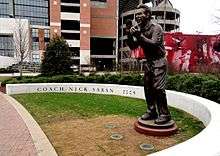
148 127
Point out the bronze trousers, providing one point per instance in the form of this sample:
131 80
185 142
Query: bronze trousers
154 86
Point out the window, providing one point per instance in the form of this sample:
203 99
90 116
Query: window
74 51
70 25
36 58
71 36
35 46
35 10
73 9
47 33
71 1
99 3
4 9
34 32
99 0
102 46
6 45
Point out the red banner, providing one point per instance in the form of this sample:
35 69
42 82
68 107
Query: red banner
191 53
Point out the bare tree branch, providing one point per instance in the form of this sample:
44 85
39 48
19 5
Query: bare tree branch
22 41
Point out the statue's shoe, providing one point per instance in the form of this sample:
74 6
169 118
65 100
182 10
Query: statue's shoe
149 116
162 119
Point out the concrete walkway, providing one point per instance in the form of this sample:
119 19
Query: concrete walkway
15 138
20 135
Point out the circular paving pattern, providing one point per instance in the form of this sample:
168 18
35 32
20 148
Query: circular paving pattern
116 136
110 126
146 147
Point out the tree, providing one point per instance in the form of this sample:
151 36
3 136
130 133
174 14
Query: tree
57 58
22 42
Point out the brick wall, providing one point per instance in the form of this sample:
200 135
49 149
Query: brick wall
41 39
103 20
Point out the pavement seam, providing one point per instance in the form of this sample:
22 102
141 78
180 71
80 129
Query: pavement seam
40 140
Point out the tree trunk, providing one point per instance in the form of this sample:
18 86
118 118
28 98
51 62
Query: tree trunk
21 67
21 70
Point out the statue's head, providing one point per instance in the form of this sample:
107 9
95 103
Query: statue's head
143 14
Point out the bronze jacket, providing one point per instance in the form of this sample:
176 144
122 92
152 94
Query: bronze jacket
151 40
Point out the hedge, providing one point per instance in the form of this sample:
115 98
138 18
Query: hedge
207 86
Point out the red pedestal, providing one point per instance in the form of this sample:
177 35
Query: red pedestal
149 128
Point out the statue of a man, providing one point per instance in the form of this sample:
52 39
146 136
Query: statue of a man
149 36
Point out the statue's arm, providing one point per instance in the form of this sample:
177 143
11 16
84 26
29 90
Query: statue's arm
129 42
157 37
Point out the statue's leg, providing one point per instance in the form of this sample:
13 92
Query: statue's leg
151 112
164 114
159 80
162 103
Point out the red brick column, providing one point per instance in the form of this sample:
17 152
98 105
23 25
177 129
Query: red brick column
85 20
41 43
55 19
41 39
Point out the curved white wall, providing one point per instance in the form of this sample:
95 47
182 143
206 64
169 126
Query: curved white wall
206 143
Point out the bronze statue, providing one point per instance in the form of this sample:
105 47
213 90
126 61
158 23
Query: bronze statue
149 36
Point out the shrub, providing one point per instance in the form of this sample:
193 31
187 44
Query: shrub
211 90
57 58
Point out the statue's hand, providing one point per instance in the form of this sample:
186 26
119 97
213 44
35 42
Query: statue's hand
135 31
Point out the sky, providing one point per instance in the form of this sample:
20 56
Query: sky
197 16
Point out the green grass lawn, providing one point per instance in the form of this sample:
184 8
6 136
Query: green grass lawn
2 78
50 107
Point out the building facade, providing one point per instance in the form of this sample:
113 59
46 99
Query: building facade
36 15
88 26
93 29
90 29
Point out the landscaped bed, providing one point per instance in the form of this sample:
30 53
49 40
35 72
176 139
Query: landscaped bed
78 124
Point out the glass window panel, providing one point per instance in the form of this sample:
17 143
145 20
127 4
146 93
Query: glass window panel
47 33
34 10
35 46
4 10
6 46
34 32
